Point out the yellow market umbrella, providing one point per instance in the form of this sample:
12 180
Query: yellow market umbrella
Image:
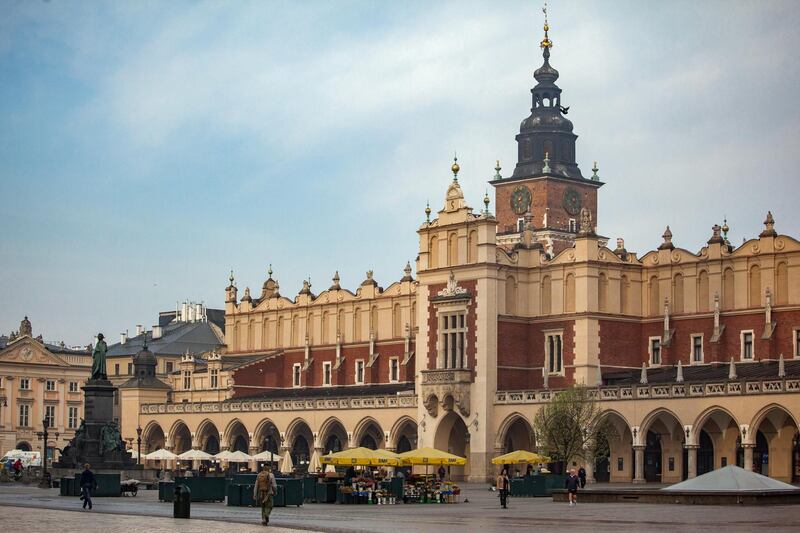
431 456
520 457
360 457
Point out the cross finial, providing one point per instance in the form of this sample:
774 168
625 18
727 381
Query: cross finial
546 42
269 271
497 169
428 210
231 277
455 168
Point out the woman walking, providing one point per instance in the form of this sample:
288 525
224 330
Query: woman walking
502 486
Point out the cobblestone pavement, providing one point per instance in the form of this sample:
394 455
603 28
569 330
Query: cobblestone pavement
482 513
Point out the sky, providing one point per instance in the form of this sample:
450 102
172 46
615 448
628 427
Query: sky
148 148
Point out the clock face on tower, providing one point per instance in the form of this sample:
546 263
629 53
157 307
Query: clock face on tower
572 201
520 200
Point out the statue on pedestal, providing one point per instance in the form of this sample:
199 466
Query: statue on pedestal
99 359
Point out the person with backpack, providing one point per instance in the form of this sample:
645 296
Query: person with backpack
264 492
88 485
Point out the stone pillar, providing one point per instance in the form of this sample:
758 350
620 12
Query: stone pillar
253 450
691 461
638 467
748 456
589 467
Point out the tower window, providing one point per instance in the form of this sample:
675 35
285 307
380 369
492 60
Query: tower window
553 345
296 369
326 373
520 224
453 333
697 348
214 378
747 345
359 372
573 226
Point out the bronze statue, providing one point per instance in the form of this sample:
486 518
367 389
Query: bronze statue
110 438
99 358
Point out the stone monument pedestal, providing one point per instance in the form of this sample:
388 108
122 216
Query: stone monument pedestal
88 446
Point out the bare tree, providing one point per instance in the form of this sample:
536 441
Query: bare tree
569 426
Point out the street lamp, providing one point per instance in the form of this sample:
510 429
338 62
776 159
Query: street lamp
43 435
139 445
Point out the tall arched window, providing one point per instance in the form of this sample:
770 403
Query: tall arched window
295 330
677 294
655 304
624 290
357 325
569 293
325 327
702 291
452 249
373 321
434 252
546 295
472 246
340 325
602 292
397 321
754 282
511 296
781 284
728 301
413 322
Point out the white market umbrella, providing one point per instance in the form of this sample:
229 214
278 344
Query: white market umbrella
266 457
330 468
224 455
161 455
287 467
314 464
239 457
195 455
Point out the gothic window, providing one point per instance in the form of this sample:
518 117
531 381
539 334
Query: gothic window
397 320
781 284
602 292
553 346
434 253
357 324
755 286
727 289
546 295
452 249
325 328
569 293
472 247
394 370
677 296
702 291
624 287
655 305
452 335
511 296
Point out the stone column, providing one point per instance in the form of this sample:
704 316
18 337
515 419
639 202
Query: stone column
589 467
691 461
253 450
748 456
195 462
638 467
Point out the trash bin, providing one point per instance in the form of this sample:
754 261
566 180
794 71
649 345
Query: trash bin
182 503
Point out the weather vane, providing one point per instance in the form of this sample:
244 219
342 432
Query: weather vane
546 42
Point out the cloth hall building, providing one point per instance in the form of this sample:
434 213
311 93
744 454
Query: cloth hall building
694 355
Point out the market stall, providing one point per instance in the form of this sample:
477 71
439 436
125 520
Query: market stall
428 488
363 488
537 480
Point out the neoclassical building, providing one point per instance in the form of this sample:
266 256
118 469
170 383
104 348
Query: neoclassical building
693 355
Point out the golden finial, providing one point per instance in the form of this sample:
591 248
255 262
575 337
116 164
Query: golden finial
455 168
546 42
428 211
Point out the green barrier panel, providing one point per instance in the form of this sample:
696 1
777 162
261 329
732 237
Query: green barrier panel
293 490
68 486
234 495
309 489
325 492
166 491
205 489
244 479
107 484
247 495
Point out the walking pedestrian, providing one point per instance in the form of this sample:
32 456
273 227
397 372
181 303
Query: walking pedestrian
582 476
441 472
571 485
502 486
88 484
264 492
18 469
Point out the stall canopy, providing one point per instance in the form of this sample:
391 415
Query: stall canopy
195 455
267 457
520 457
361 457
161 455
430 456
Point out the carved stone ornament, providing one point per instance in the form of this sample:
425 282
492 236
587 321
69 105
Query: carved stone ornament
431 404
452 288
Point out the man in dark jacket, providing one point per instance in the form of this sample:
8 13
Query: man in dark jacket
571 485
582 476
88 484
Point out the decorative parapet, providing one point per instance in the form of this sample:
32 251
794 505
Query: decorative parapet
446 375
661 391
242 406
